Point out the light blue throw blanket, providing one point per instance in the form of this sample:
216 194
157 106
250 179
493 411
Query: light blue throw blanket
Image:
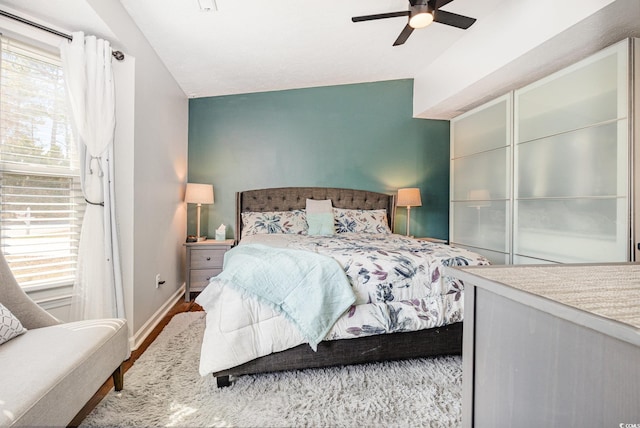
311 290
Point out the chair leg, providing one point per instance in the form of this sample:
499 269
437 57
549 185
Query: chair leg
118 378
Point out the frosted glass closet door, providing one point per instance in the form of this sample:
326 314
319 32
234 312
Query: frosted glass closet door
480 171
571 163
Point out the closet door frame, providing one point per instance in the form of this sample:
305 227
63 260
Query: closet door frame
559 131
458 202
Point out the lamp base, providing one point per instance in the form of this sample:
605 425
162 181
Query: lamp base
202 238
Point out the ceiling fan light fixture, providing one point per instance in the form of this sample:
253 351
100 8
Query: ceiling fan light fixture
421 16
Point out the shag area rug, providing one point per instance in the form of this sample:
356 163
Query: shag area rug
164 389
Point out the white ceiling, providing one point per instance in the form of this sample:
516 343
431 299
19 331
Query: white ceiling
257 45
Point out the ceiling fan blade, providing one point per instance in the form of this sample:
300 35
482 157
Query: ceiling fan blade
380 16
404 35
437 4
453 19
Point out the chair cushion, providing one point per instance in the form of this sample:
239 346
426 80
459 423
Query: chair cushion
48 374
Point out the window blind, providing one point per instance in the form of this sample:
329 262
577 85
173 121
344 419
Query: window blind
41 203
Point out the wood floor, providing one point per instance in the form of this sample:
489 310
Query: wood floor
179 307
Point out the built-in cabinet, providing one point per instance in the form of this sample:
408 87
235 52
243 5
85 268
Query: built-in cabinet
542 174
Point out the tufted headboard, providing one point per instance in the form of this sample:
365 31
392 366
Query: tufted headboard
292 198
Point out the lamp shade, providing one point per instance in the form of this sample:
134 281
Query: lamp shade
199 193
409 197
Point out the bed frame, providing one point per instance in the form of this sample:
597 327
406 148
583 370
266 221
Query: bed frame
394 346
295 198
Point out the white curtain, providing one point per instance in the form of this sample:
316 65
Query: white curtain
86 62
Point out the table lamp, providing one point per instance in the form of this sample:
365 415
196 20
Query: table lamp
409 197
199 194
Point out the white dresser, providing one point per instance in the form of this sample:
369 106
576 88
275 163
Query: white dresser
551 345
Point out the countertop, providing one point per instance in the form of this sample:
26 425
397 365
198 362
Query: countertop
604 297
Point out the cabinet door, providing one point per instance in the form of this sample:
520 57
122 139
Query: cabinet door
480 180
571 163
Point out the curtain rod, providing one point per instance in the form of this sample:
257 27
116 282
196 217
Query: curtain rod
116 54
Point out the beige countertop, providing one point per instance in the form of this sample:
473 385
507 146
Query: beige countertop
577 292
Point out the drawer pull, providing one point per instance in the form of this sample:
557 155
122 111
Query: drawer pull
209 277
208 258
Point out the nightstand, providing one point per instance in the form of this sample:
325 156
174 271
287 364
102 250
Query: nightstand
434 240
204 261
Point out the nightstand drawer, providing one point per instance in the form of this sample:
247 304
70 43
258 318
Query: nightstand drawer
204 261
199 278
209 258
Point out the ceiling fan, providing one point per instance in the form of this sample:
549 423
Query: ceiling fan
422 13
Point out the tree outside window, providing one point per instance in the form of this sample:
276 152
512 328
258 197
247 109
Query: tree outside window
41 203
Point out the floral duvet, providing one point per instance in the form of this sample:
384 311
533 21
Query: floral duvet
397 281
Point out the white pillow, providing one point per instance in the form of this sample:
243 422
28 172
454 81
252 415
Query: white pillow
320 217
10 326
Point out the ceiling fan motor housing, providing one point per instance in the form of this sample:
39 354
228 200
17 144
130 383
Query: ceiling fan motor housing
421 15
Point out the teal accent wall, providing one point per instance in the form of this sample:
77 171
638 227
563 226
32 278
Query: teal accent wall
358 136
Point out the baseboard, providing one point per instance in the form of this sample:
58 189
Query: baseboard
136 340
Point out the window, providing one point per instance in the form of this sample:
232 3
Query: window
41 203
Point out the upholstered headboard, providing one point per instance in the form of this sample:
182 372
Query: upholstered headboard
292 198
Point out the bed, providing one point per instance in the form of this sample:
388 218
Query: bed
401 306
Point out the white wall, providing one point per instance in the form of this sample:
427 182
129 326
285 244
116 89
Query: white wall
150 154
151 176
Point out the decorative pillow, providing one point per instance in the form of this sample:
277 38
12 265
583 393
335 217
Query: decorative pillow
320 217
254 223
361 221
10 326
